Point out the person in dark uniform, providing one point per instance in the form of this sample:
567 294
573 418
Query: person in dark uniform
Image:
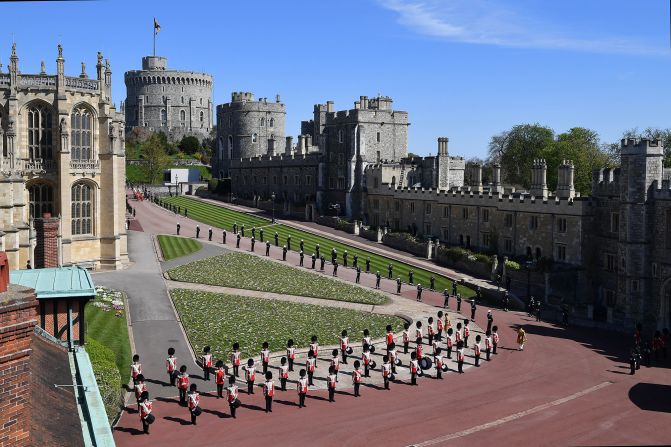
235 228
253 241
506 300
358 275
478 293
178 228
538 310
632 362
284 253
344 259
253 231
454 287
390 271
411 274
458 302
301 245
508 279
301 256
334 255
398 285
432 281
209 234
446 299
335 268
377 279
197 231
186 212
419 292
223 237
261 235
322 262
317 250
242 230
490 320
289 242
194 402
237 241
367 265
267 248
314 259
277 239
355 261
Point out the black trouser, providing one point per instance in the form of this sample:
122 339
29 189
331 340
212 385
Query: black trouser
458 306
269 404
449 352
301 262
237 243
171 378
439 373
413 379
430 338
489 325
252 245
356 389
301 400
461 366
206 373
145 426
406 345
291 364
358 277
477 360
182 396
331 394
235 370
446 301
193 418
250 387
310 374
313 264
267 250
632 367
472 315
344 356
283 384
465 342
220 390
265 368
231 409
494 350
439 335
365 370
386 383
488 351
393 366
377 283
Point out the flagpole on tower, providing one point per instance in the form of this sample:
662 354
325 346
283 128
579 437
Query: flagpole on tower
157 28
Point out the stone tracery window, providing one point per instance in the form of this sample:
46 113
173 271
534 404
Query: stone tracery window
164 118
182 117
40 132
82 209
40 199
81 135
271 123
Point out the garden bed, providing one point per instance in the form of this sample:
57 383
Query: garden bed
245 271
219 320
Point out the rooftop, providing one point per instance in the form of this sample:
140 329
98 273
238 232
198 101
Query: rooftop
55 282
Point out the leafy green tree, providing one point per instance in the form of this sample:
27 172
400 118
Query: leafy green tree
155 158
189 145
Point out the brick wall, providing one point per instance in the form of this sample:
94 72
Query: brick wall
18 317
46 249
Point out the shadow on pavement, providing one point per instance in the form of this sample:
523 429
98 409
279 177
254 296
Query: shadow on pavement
179 420
132 431
651 397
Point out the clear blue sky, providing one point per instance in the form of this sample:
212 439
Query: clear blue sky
466 69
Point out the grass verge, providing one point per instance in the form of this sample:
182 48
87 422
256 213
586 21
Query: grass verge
174 247
222 217
219 320
245 271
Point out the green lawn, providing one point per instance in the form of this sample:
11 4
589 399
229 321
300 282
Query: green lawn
222 217
174 247
245 271
219 320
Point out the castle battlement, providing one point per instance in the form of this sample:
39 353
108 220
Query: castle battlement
633 146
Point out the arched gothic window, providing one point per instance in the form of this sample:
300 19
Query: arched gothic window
230 147
40 199
263 121
254 138
271 123
182 117
202 116
164 118
82 209
81 135
40 132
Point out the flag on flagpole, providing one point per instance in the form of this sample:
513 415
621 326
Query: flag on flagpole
157 27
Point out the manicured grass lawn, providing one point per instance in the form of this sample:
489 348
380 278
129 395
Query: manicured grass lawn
224 218
217 216
173 247
219 320
245 271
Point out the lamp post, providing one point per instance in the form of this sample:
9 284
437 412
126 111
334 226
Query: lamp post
272 196
529 265
176 194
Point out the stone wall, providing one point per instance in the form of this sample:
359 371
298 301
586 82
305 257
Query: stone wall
404 242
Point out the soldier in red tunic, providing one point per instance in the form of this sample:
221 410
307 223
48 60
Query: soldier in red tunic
235 359
232 396
386 371
140 387
284 373
314 347
291 354
449 342
206 360
389 337
414 367
310 365
429 330
145 411
495 338
477 349
331 380
250 376
356 378
265 357
488 344
183 382
194 403
335 363
438 363
460 356
171 366
135 368
439 326
269 391
406 337
344 346
302 388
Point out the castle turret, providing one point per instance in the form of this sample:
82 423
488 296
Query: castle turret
443 171
565 188
497 187
539 187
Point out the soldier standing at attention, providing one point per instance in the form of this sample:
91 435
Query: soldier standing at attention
358 275
253 231
314 259
429 330
310 365
232 396
322 262
458 302
367 265
235 228
392 356
301 256
235 359
269 391
220 378
268 248
344 259
242 230
194 403
473 308
488 344
302 386
389 337
454 287
223 237
365 357
289 242
302 245
356 378
334 255
135 368
237 242
411 274
250 375
377 279
406 337
439 326
277 239
291 353
182 384
197 231
446 299
355 261
386 371
209 234
414 366
331 380
261 234
448 341
335 268
171 365
390 271
490 320
460 356
398 285
467 332
284 253
495 339
178 228
335 363
206 361
284 373
317 250
253 241
344 346
314 346
145 411
265 357
432 281
419 292
477 349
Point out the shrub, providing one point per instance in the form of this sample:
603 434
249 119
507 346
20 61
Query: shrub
512 265
189 145
479 257
107 376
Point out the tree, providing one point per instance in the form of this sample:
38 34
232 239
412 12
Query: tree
651 133
516 150
189 145
155 158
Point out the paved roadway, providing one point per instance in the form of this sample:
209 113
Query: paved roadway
568 387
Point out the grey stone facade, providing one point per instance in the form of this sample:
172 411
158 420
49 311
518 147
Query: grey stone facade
175 102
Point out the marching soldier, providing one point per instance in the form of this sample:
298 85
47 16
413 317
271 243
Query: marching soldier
406 337
289 242
253 241
344 346
331 380
232 396
419 335
473 307
250 376
418 349
344 259
235 358
139 388
183 384
197 231
458 302
145 411
432 281
314 259
460 356
490 320
355 261
429 330
302 245
438 363
414 366
521 338
467 332
284 373
206 360
310 365
322 261
284 253
302 387
261 234
268 248
335 363
223 237
495 338
171 365
398 285
477 349
377 279
269 391
446 299
389 336
358 275
220 378
439 325
314 346
386 371
135 368
411 274
367 340
335 269
237 241
235 228
178 228
367 265
265 357
209 234
194 403
448 341
392 356
390 271
356 378
277 239
457 334
365 357
291 353
301 256
488 344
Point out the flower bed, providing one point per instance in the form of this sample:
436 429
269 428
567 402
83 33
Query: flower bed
219 320
244 271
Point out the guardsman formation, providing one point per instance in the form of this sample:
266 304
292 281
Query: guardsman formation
423 349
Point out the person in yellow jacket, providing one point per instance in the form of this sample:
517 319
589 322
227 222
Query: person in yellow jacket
521 338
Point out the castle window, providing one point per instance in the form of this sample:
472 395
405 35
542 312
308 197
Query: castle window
485 215
464 213
668 228
561 225
376 204
81 135
271 123
164 118
529 252
445 233
81 209
296 180
561 252
634 285
308 179
397 205
286 180
182 117
461 240
486 240
377 156
375 182
230 147
468 242
254 138
610 297
538 252
340 136
610 262
427 209
341 183
182 100
41 199
378 137
614 222
446 212
533 222
263 121
39 133
412 207
341 159
274 180
427 229
201 101
508 245
202 118
509 220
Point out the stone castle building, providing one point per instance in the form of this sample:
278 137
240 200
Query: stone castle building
61 153
175 102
